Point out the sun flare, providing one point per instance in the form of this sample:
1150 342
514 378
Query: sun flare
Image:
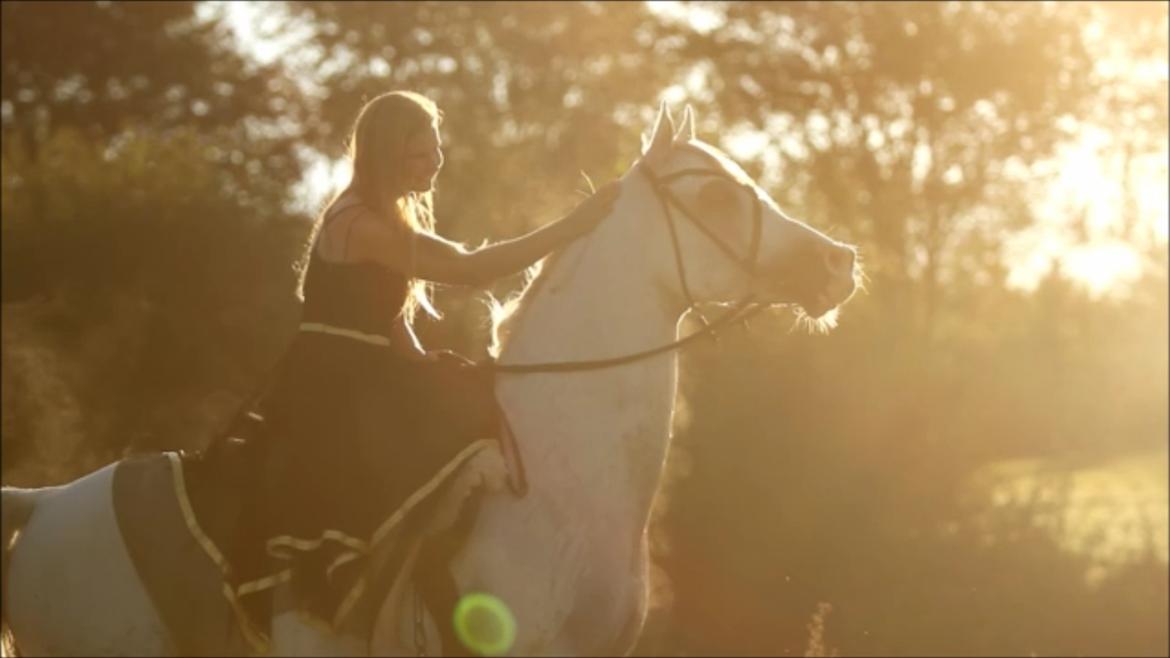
1102 267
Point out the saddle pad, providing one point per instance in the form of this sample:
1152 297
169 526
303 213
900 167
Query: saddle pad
176 513
186 588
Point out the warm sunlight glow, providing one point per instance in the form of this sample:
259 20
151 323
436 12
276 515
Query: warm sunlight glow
1090 180
1114 509
1153 200
1086 188
323 178
1082 217
805 328
1101 267
254 25
701 19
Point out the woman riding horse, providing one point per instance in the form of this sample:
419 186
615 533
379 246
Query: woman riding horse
360 415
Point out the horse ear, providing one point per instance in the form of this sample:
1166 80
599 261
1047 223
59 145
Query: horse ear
663 130
687 131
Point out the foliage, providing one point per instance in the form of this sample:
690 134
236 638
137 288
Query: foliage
859 487
157 290
149 269
136 66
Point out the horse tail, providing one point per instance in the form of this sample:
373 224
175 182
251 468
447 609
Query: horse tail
16 506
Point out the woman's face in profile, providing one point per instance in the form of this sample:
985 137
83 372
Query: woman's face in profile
423 159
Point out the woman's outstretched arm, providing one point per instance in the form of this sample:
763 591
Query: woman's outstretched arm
499 259
439 260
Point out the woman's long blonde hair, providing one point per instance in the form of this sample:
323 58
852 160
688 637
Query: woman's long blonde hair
375 148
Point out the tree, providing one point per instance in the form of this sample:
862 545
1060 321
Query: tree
531 92
135 68
147 257
129 64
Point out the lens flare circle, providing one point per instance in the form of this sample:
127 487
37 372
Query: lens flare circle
484 624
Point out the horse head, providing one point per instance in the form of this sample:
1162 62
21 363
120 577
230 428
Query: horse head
718 237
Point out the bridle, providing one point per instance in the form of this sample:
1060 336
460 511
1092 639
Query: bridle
739 311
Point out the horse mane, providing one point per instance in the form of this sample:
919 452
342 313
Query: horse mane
506 313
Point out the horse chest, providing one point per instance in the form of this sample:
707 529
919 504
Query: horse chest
608 607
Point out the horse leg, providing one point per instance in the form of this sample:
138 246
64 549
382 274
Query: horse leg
71 588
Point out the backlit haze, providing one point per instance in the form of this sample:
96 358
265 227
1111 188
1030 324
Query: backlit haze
1083 184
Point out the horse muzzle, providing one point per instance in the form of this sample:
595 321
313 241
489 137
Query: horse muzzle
820 278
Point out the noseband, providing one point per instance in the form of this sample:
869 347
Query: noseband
739 311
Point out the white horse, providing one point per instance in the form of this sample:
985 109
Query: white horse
570 558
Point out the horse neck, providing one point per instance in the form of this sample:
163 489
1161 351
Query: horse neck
596 438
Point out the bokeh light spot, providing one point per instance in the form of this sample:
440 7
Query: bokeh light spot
484 624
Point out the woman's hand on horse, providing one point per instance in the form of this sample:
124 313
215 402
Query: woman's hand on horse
589 213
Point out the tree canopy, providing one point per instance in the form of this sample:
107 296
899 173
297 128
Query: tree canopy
152 244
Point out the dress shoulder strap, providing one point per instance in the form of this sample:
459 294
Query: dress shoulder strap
345 202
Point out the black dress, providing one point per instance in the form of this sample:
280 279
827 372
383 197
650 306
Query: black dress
359 437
